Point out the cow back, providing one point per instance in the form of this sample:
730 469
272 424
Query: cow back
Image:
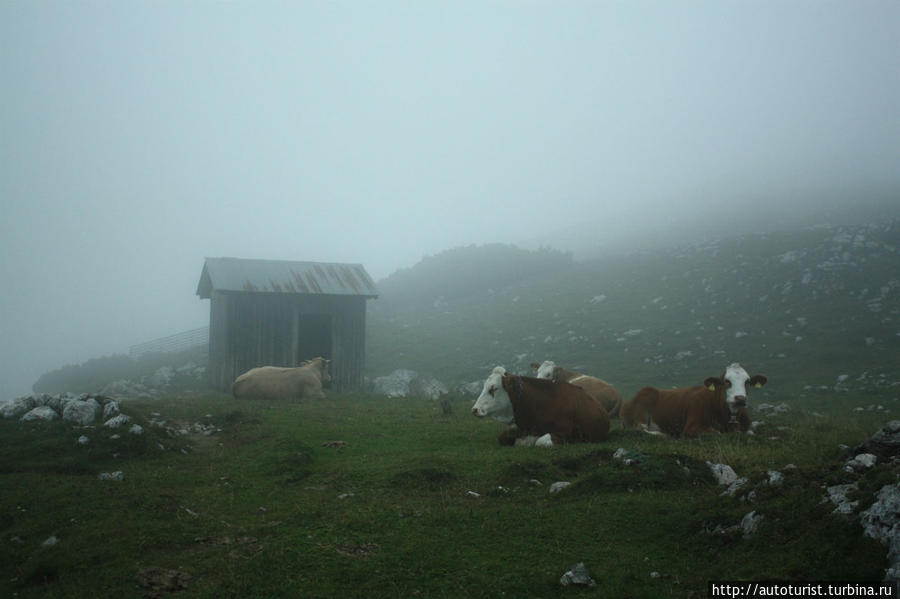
564 410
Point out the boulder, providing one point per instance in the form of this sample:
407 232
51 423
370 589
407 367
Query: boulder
44 413
885 443
110 409
882 522
17 407
81 412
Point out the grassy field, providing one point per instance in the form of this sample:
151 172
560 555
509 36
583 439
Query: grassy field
270 506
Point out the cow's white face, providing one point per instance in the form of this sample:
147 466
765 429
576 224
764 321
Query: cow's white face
736 385
494 401
545 370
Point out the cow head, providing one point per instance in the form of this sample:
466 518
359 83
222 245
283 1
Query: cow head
548 370
320 365
735 381
494 401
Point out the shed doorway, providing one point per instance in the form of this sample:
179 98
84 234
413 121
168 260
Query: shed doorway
314 337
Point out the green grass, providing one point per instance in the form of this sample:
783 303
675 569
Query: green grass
266 509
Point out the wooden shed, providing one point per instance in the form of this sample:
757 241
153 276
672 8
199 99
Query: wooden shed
280 313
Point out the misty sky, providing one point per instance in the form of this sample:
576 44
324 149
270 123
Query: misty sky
136 138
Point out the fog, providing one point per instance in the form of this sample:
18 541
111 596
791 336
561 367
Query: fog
137 138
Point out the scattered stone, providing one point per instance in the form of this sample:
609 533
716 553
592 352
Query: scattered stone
473 494
627 457
577 574
750 524
136 429
723 473
861 462
83 440
50 542
838 495
776 479
117 475
735 486
559 486
117 421
526 441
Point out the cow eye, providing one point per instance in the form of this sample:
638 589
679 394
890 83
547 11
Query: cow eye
728 383
491 390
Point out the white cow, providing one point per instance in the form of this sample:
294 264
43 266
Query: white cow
606 394
273 382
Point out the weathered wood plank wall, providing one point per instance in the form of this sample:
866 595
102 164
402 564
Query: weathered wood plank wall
264 329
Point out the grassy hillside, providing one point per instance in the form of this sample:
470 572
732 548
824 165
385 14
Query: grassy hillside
803 307
413 503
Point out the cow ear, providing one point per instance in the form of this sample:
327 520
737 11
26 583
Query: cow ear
712 383
556 371
758 380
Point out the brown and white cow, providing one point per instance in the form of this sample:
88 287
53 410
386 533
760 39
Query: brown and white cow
274 382
719 406
599 389
554 411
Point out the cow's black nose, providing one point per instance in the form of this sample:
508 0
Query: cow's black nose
740 400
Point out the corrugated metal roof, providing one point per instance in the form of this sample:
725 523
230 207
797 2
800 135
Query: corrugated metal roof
281 276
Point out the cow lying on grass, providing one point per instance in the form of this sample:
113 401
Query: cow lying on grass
555 411
599 389
273 382
719 406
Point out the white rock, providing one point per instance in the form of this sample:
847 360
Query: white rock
50 542
775 478
750 523
577 574
17 407
136 429
81 412
723 473
83 440
861 462
117 475
559 486
41 413
110 409
736 486
117 421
